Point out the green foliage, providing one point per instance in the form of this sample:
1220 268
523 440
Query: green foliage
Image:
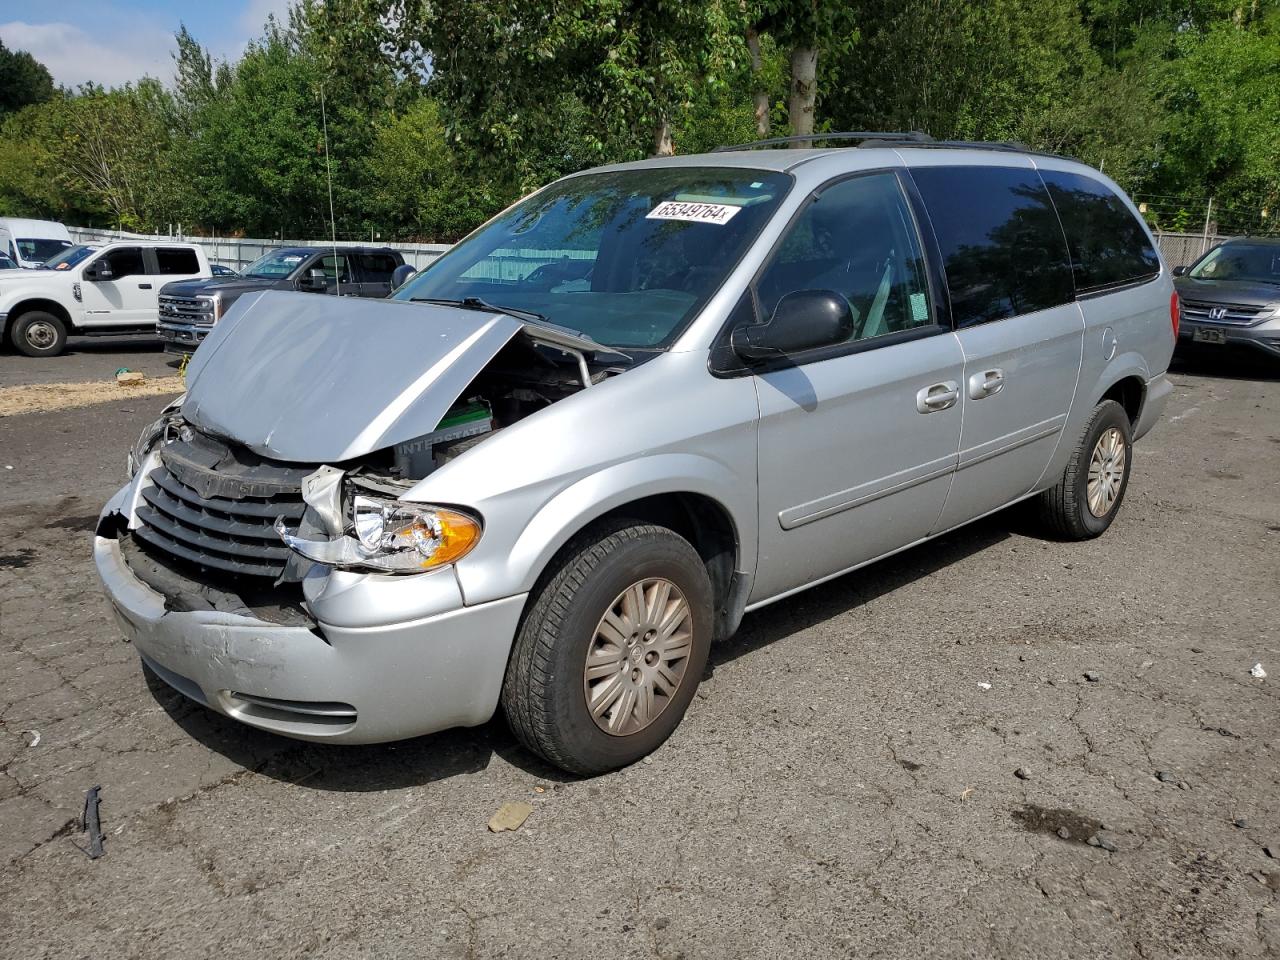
23 80
1221 94
425 117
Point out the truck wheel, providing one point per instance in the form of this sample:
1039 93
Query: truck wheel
39 334
1088 496
612 649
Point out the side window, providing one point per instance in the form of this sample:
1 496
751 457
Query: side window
858 239
125 262
376 267
1108 245
1002 246
179 260
336 268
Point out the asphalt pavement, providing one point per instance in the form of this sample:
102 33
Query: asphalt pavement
993 745
88 359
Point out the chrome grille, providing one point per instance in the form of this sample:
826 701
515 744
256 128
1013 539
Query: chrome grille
1236 314
228 533
187 310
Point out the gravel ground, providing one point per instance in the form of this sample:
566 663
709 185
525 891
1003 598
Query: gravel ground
845 785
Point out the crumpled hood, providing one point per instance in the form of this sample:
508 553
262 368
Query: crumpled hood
1245 292
314 379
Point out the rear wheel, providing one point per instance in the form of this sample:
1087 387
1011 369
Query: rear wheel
1087 498
39 334
612 650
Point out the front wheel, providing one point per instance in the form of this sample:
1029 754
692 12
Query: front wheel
612 649
39 334
1088 497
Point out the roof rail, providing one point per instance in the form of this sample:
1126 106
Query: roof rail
910 136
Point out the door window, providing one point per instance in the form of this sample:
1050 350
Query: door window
1109 247
376 267
1001 242
336 268
856 238
177 260
124 262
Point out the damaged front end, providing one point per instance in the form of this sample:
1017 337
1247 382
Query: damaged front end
266 559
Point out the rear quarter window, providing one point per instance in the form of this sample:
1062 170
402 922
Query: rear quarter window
1109 247
1001 243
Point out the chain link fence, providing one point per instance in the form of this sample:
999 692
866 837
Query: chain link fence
238 252
1180 249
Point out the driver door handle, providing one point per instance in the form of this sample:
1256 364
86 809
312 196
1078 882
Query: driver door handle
144 286
986 384
938 396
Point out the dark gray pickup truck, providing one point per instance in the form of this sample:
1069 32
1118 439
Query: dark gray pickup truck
190 308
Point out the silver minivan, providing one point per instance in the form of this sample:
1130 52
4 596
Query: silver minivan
651 397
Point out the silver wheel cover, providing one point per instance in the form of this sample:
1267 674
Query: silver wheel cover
637 657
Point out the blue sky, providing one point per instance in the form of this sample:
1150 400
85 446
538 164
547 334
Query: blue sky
114 41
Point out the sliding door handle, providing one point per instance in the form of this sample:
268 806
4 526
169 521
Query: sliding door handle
986 384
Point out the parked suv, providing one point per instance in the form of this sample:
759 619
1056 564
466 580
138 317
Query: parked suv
1231 295
189 310
92 293
637 404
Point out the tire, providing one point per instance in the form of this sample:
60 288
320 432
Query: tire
546 689
39 334
1067 510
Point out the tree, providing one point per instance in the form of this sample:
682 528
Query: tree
1221 92
420 187
804 27
24 80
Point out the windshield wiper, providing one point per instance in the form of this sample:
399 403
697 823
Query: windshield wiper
475 303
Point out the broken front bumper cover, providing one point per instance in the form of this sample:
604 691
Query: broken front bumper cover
350 683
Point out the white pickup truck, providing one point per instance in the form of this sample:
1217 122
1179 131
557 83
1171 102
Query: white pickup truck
113 291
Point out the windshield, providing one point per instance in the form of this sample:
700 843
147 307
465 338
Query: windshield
1259 262
69 257
626 258
40 250
275 265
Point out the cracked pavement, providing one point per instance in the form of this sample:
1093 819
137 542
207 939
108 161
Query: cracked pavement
842 786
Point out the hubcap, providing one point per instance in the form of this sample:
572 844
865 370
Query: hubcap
41 335
638 656
1106 472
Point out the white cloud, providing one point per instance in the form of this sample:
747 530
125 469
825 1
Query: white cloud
74 56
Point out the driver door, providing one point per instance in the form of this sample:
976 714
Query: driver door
126 298
858 441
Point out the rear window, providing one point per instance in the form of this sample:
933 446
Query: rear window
1109 247
1001 244
177 260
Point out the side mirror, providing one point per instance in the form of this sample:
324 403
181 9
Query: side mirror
313 279
802 320
400 275
1179 271
99 272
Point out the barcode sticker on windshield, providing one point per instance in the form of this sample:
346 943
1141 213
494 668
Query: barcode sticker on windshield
693 212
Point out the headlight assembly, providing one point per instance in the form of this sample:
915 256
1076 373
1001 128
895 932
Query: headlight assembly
391 537
162 430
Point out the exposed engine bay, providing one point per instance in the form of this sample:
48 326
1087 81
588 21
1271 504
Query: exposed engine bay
522 378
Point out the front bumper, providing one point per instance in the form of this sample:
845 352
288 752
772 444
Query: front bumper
329 683
181 337
1264 336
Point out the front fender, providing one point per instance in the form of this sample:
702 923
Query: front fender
503 572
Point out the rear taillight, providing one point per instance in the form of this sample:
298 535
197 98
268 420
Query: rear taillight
1175 313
